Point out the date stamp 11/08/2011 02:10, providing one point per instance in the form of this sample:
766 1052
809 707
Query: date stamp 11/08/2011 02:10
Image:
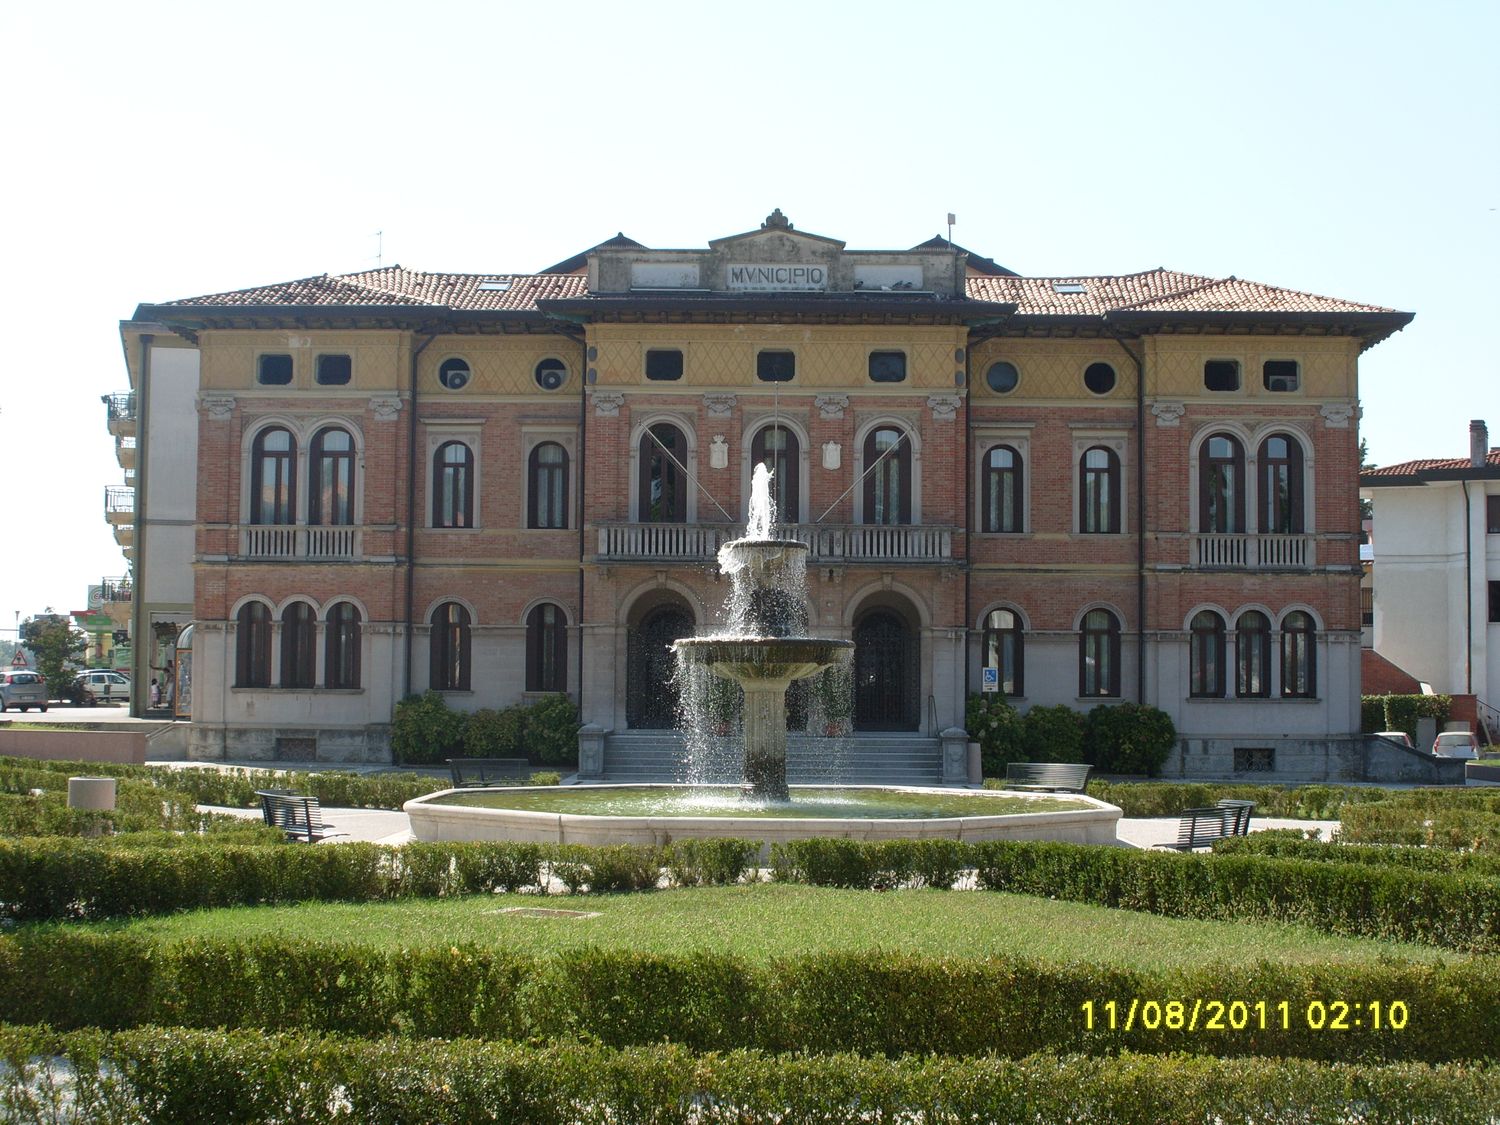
1211 1015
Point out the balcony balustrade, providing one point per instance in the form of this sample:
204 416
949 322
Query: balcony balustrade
119 505
125 536
125 452
827 543
115 589
1253 552
120 413
301 542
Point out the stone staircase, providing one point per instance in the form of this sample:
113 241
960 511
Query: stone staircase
862 759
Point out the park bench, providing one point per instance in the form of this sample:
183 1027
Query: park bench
296 814
467 772
1200 828
1066 777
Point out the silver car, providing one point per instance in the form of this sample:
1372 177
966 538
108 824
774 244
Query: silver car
102 686
23 689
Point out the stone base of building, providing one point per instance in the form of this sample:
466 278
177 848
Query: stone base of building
334 745
1295 761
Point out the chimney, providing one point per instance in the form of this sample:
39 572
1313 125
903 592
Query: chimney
1479 443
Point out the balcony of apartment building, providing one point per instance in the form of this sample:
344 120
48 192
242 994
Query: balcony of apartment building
120 413
828 544
125 453
116 591
119 506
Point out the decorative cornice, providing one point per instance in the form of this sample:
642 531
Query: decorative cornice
831 406
385 408
220 407
1336 415
1168 413
607 403
944 407
720 405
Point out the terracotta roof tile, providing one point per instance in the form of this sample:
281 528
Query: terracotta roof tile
1432 464
399 287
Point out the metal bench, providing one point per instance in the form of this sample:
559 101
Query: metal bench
467 772
1066 777
1200 828
296 814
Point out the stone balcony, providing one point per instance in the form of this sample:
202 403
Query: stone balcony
1252 552
119 505
120 413
300 542
829 544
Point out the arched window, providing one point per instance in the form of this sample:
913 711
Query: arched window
664 483
546 649
775 447
299 649
1002 490
1281 485
1099 492
341 644
1299 660
547 486
1099 654
1221 486
453 485
888 484
1004 648
252 646
449 648
1252 647
1206 659
273 477
332 499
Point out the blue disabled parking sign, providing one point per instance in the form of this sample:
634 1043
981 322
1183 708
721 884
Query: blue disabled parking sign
991 680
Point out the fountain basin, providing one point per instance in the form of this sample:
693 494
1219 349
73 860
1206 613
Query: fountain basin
445 816
764 658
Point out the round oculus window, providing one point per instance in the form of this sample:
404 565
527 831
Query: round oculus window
1002 377
454 374
550 374
1099 378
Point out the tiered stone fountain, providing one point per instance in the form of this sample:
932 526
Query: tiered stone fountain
764 647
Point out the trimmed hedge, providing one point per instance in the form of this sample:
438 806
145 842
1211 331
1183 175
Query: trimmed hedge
1401 712
1292 845
59 879
425 731
867 1003
174 1077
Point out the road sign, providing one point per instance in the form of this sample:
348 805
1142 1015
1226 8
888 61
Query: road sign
991 680
18 660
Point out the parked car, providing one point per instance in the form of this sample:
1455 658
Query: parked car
103 686
1456 744
22 689
1395 736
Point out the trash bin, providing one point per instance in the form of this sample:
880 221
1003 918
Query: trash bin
976 767
91 793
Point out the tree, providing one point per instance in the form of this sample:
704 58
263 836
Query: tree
54 641
1366 509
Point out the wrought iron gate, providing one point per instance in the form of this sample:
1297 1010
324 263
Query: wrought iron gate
650 668
887 684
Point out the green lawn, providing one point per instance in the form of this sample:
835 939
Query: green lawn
769 920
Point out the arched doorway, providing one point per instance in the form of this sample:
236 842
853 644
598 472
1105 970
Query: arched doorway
650 667
887 677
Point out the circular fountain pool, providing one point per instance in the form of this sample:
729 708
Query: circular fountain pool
657 814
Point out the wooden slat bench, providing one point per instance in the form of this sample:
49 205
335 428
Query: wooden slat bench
1064 777
467 772
296 814
1199 828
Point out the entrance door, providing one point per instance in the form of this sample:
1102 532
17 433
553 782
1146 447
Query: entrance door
887 687
650 669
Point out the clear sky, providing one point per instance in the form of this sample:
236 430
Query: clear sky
158 150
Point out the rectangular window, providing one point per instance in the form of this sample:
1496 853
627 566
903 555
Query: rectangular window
1254 759
1221 375
1495 603
333 370
1367 607
887 367
664 364
1492 514
775 367
1281 375
274 370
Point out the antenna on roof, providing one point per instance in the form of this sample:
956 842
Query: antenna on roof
958 285
379 248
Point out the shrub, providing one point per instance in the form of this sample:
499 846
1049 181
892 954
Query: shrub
494 734
1401 712
715 863
425 731
1052 734
1128 738
996 725
545 777
1292 845
551 731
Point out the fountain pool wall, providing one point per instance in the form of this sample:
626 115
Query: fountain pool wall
432 820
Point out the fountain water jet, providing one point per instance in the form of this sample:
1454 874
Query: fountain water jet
763 647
